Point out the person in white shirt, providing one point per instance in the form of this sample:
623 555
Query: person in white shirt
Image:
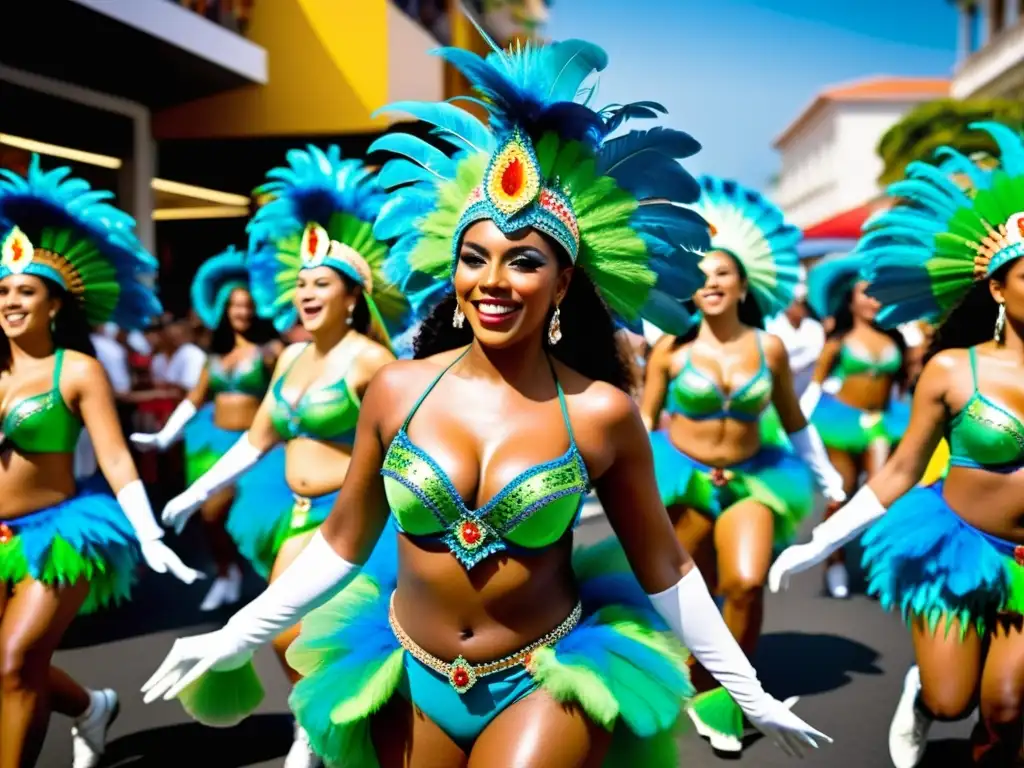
181 363
114 359
802 336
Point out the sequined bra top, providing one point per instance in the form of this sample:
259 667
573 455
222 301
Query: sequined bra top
984 434
532 512
328 414
697 396
855 362
250 377
43 423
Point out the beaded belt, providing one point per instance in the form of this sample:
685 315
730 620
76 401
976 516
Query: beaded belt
463 675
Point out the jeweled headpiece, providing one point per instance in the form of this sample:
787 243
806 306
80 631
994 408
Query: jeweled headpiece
953 224
56 227
215 280
321 215
545 162
753 230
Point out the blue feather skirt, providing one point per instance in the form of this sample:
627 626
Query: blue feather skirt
774 476
620 665
267 513
205 443
923 560
852 430
85 537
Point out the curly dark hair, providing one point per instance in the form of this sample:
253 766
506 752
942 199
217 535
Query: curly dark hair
71 328
971 321
588 344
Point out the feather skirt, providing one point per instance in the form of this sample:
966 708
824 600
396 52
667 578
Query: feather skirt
923 560
620 665
85 537
851 430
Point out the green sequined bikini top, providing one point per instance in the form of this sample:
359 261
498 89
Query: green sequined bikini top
328 414
43 423
532 512
698 397
249 377
855 362
984 434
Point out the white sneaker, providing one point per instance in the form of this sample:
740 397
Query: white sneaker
301 755
225 590
908 733
89 733
837 580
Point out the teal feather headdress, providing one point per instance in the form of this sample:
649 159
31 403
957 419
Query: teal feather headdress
216 278
57 227
322 215
830 280
754 231
545 161
952 225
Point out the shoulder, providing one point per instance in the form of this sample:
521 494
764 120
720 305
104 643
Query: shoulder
594 403
773 347
81 369
943 369
374 355
289 353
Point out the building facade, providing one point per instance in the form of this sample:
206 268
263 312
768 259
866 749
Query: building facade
990 50
829 163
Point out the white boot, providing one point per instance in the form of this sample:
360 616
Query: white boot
225 590
301 755
908 733
89 733
837 580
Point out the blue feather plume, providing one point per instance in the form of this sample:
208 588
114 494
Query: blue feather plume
214 281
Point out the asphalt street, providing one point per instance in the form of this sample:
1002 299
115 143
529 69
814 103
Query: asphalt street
844 659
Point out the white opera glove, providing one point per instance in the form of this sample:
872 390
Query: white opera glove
809 399
158 556
840 529
239 458
808 446
316 574
691 613
171 431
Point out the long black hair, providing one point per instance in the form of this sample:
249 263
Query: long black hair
70 327
588 344
259 332
971 321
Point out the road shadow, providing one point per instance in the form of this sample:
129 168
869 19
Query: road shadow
947 753
255 740
801 664
159 602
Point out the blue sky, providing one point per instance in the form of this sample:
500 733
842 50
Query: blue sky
734 73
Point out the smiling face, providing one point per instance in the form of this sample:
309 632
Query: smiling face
26 306
322 298
507 284
863 306
240 310
724 286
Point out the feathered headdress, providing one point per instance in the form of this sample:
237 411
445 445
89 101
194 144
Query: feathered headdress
216 278
57 227
753 230
545 162
321 215
952 225
830 280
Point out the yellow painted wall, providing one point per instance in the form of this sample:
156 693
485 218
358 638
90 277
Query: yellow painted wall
328 71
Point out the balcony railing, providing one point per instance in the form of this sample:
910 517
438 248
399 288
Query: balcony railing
230 14
503 19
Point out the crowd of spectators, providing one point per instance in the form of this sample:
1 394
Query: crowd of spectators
232 14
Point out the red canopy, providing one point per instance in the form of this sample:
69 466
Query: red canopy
843 225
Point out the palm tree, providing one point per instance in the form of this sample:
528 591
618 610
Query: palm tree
943 122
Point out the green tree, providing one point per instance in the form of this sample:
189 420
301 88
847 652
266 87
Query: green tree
943 122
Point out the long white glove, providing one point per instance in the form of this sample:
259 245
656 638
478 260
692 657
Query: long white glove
807 443
317 574
688 609
840 529
239 458
171 431
809 399
158 556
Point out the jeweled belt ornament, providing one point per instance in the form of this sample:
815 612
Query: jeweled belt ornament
461 674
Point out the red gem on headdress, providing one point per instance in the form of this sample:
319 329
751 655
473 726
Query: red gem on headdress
1018 555
6 534
1020 226
17 251
314 241
512 177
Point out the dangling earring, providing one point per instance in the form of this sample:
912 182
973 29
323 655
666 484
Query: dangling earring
53 323
555 328
997 337
351 314
458 319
